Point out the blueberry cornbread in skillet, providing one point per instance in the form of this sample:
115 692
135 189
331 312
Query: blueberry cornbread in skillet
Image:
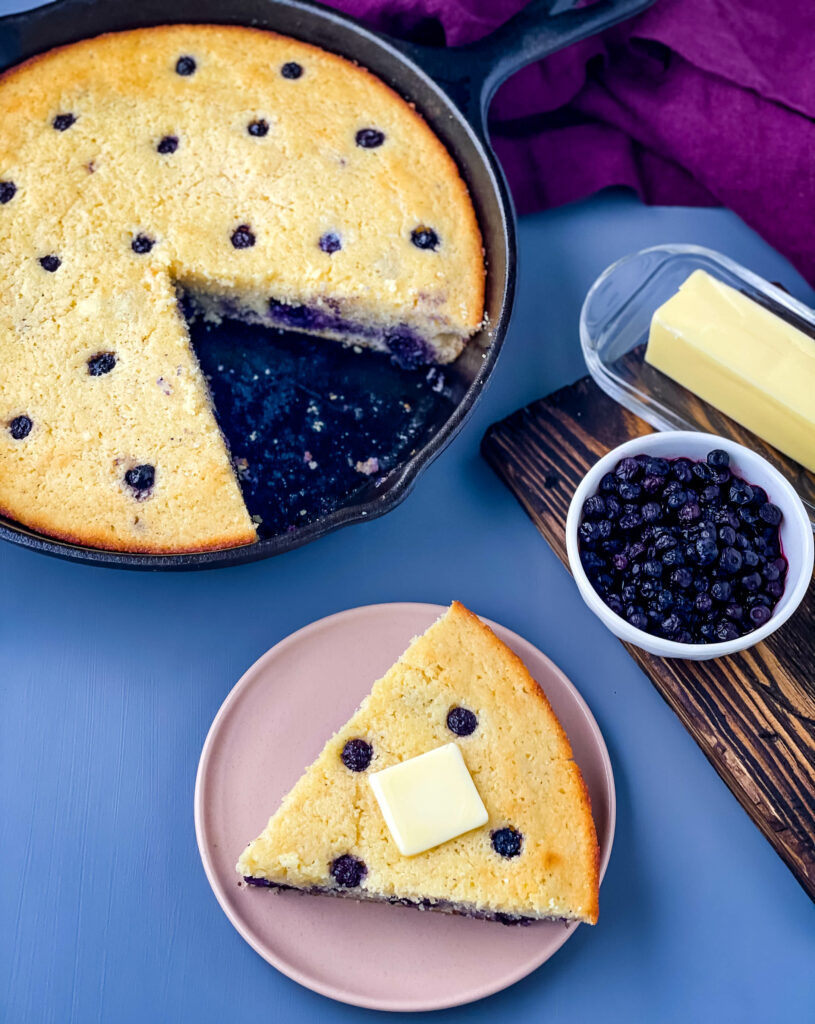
452 788
260 178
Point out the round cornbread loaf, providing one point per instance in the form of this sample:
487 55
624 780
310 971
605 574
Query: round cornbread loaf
265 179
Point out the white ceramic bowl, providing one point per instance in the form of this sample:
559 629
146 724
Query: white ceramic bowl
796 537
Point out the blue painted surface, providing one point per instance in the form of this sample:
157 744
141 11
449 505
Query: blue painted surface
109 682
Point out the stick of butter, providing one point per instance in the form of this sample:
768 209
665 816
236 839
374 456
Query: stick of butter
740 358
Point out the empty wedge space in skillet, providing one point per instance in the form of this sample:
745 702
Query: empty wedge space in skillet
270 181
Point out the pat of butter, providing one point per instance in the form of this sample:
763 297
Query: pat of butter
740 358
428 799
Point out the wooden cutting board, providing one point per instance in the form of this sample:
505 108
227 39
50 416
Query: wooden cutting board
753 714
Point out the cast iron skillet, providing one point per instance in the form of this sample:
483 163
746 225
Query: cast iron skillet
452 88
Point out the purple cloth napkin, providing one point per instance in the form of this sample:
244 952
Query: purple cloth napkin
694 103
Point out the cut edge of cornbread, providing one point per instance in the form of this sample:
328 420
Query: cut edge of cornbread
533 786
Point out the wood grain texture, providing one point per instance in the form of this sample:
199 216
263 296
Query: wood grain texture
752 714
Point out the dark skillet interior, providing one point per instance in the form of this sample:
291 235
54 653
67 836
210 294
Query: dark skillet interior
299 446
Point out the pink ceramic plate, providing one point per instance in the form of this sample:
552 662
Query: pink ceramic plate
269 728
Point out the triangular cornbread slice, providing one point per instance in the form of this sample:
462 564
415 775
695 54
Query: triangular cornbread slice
329 835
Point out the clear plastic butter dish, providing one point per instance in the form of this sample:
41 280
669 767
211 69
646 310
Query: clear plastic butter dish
614 324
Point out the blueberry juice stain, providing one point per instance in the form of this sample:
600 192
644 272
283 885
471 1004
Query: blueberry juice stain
312 425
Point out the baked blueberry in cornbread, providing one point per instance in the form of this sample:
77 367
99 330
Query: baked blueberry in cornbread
532 854
261 178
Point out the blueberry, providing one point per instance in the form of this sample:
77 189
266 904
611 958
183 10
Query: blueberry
20 427
408 350
592 562
507 842
169 144
142 244
682 578
711 494
740 492
185 66
62 122
369 138
759 495
701 584
605 528
706 551
608 485
101 363
743 541
725 630
50 263
770 513
630 521
347 871
649 588
613 507
689 513
424 238
734 611
663 540
291 70
684 636
8 190
770 572
628 469
751 582
730 561
718 458
243 237
657 467
703 603
141 478
673 558
653 484
775 588
665 601
748 515
604 582
781 565
258 128
615 604
629 491
594 507
652 568
727 535
461 721
681 470
671 625
620 562
638 619
759 615
759 599
751 559
628 593
708 632
356 755
721 590
330 242
588 533
676 499
702 472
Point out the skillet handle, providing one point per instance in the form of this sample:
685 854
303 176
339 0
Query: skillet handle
471 74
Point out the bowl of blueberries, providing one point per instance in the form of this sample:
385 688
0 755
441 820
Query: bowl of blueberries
688 545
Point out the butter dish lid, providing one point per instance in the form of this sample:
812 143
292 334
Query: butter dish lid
614 325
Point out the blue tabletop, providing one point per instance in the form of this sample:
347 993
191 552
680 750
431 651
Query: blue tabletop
110 681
